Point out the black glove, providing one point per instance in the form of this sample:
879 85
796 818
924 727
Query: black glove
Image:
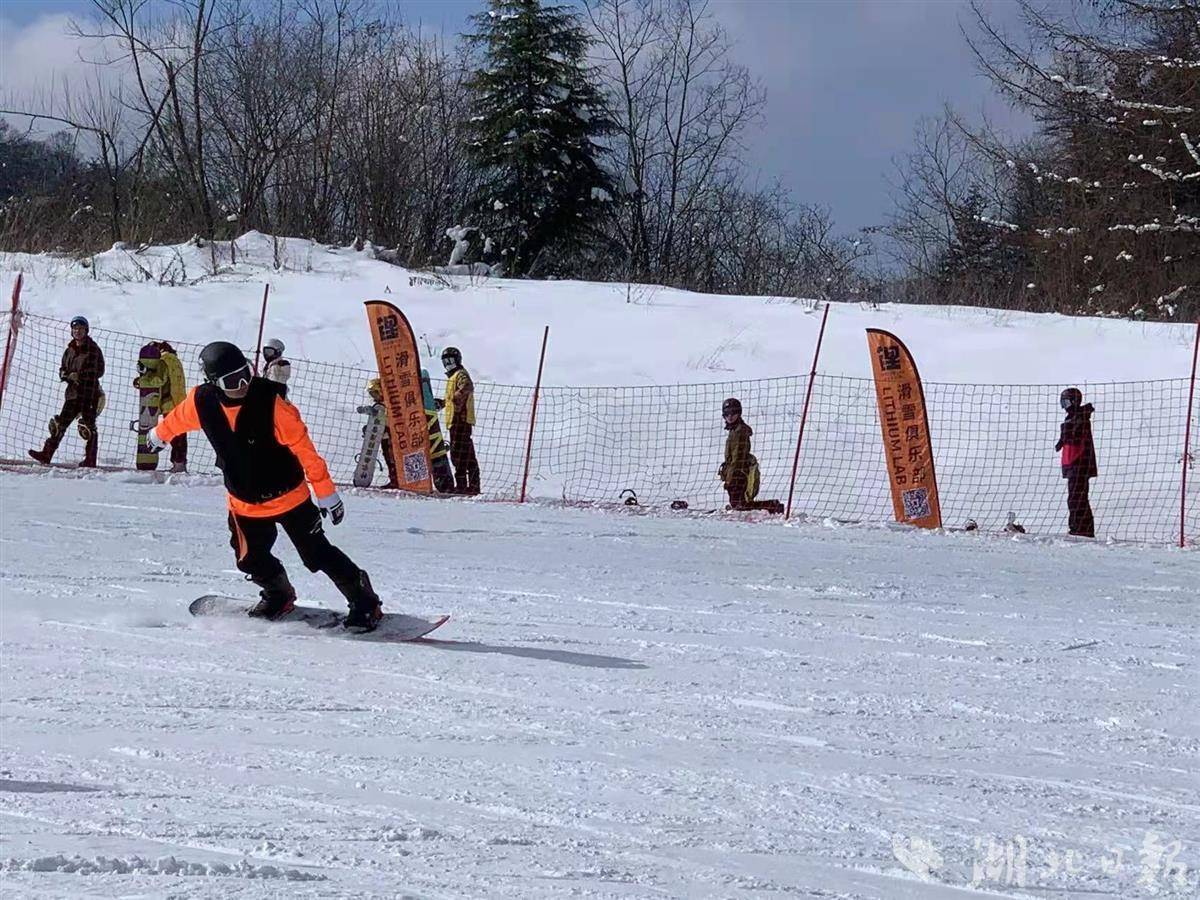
439 403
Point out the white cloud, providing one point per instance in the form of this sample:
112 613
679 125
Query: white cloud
44 67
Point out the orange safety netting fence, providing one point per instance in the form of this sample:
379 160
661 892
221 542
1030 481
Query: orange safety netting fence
993 444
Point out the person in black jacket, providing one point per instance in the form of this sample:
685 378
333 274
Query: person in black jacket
1078 460
82 368
272 471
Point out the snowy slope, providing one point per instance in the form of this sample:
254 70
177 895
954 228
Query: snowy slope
600 334
622 706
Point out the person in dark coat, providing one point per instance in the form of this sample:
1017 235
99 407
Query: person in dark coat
82 368
735 470
1078 460
739 471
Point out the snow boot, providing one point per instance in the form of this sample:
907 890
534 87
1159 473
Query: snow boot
278 597
42 456
91 446
365 608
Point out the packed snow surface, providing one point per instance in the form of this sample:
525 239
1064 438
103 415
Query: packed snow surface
622 705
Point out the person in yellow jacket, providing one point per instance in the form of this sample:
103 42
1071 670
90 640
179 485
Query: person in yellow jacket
174 392
460 422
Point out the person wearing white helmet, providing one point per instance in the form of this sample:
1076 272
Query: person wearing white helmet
275 367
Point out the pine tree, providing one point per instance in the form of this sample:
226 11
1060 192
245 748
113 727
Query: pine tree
537 123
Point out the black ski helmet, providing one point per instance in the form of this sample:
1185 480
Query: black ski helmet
732 406
453 354
80 320
1071 398
221 358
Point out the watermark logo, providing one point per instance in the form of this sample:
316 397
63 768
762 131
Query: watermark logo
1016 862
917 855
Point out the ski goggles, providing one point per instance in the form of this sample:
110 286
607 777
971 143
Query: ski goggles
232 381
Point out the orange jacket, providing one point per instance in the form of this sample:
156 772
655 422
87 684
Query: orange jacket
289 431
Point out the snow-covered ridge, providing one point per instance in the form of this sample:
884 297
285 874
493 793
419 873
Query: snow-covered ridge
165 865
600 333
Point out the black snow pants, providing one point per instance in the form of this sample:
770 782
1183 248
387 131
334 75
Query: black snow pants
462 455
253 537
1079 507
85 410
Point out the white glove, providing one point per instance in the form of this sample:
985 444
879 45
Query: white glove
333 507
154 442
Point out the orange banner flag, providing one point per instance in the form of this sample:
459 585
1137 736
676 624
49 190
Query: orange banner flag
400 377
907 444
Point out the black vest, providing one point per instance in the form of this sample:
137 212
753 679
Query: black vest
257 468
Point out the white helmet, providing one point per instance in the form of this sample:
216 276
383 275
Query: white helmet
272 349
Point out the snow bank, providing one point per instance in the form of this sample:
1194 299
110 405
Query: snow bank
164 865
600 334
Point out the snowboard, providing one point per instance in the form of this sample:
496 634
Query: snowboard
149 383
364 470
392 627
443 477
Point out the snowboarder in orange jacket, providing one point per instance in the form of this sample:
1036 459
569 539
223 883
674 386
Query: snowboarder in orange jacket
269 462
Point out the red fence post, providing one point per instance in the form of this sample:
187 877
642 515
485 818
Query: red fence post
12 334
262 321
812 376
537 389
1187 441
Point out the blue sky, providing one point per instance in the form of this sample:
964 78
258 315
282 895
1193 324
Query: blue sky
846 82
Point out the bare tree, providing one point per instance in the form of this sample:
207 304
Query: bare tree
683 106
1109 193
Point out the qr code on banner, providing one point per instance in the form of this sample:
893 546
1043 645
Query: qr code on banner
415 467
916 503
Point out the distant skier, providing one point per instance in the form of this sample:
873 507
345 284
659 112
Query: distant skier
275 367
460 421
82 368
1078 460
269 462
739 471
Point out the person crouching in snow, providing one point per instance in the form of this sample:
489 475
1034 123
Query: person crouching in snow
1078 460
269 462
739 471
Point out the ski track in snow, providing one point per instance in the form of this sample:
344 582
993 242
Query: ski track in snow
620 706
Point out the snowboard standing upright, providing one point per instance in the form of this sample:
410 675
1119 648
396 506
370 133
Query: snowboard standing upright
149 383
368 455
443 476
